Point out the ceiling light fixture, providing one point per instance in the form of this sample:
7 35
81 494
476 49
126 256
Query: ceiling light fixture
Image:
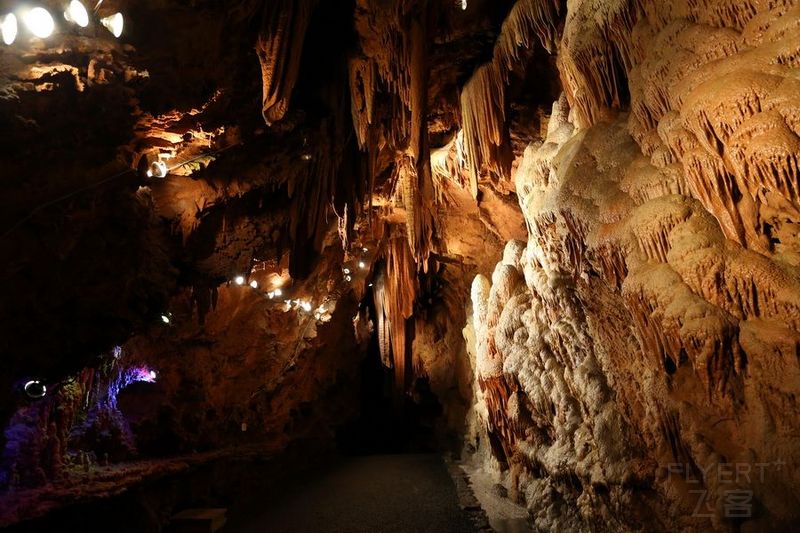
76 12
8 28
39 21
114 24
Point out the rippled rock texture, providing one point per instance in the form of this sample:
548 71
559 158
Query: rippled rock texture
637 357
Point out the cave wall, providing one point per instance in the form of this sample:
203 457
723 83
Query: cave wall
637 357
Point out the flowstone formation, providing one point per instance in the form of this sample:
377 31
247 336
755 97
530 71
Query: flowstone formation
637 358
241 195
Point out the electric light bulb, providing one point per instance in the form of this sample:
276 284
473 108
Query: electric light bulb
362 265
346 270
153 375
8 28
39 22
114 24
306 306
278 292
463 5
271 295
348 278
165 319
365 250
239 280
254 284
76 12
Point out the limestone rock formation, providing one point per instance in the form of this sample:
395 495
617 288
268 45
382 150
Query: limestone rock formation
561 236
631 342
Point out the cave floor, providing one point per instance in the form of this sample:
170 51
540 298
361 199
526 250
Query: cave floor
387 493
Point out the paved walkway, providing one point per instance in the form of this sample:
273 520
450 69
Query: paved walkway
379 493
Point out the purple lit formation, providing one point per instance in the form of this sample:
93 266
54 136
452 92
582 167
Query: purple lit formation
77 423
126 377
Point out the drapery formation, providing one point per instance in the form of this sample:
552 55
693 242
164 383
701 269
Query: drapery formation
279 48
483 99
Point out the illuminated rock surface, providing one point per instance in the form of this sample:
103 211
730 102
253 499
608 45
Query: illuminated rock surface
555 240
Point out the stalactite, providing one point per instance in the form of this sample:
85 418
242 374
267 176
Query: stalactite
395 39
599 53
483 97
279 49
384 322
419 148
526 20
400 293
483 116
362 94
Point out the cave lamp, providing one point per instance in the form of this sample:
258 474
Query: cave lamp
35 389
114 24
158 169
8 28
76 13
39 22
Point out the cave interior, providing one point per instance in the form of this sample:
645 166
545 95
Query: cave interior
543 254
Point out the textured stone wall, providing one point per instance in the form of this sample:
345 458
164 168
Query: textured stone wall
637 358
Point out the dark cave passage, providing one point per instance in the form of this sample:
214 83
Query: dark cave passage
389 421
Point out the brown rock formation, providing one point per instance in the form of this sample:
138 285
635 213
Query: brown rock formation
602 293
